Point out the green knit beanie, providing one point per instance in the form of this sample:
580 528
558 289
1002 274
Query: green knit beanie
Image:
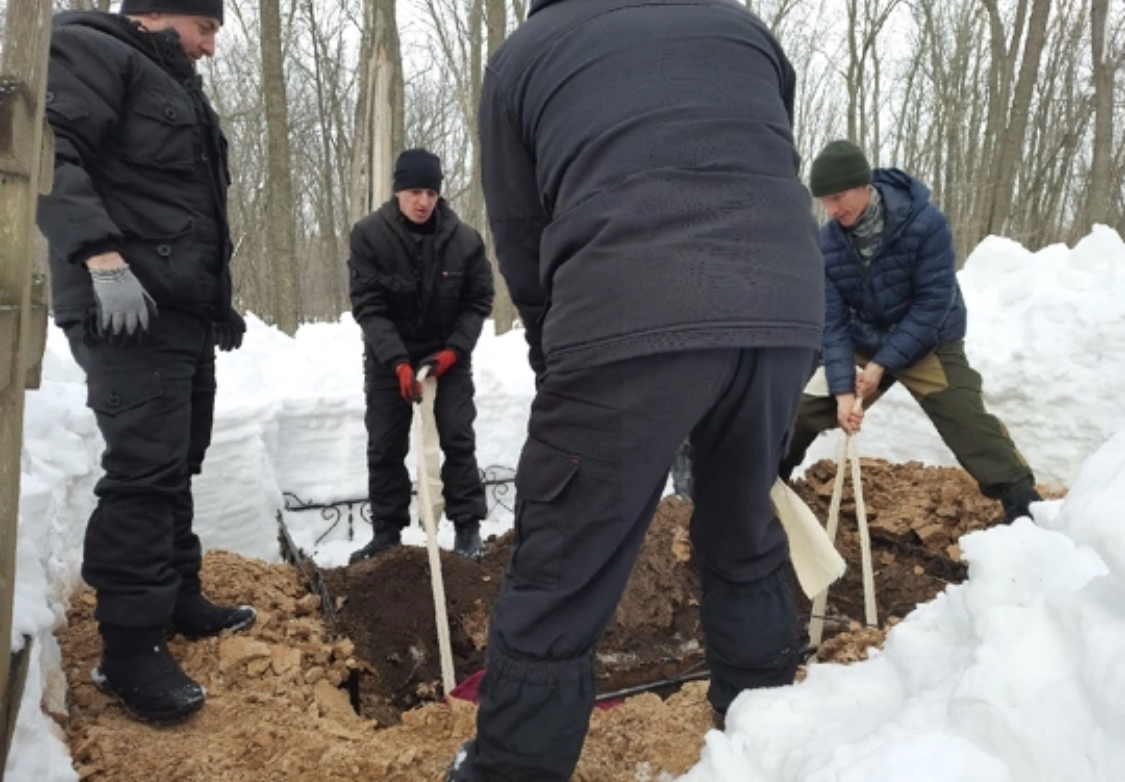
840 166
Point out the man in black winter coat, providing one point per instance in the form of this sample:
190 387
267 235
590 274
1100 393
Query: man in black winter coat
140 283
641 181
421 289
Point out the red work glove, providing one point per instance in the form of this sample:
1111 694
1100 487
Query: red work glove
439 363
410 388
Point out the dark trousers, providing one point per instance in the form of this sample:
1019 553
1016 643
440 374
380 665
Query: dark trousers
388 421
154 403
594 466
950 393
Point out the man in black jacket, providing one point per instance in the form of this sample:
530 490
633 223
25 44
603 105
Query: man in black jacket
140 247
421 289
641 182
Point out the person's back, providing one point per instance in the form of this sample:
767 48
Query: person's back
641 184
666 169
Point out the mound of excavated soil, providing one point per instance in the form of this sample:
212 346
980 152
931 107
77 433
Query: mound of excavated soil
283 697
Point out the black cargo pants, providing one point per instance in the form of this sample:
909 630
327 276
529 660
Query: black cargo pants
600 442
388 419
154 403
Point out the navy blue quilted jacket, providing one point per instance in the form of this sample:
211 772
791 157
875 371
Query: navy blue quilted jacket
903 304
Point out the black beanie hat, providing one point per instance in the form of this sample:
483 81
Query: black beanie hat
840 166
418 168
209 8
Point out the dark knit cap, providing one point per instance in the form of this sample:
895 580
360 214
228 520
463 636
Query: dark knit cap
209 8
417 168
840 166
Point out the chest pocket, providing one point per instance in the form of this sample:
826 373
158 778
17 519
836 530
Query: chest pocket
449 282
160 131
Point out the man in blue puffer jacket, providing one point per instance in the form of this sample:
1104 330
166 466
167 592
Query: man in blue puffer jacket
894 308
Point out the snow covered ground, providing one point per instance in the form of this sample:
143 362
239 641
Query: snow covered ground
1015 675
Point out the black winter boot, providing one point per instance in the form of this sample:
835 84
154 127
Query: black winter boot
196 617
386 536
466 541
1017 502
137 668
457 771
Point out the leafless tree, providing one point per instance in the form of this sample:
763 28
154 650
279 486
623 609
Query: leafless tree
1103 66
280 212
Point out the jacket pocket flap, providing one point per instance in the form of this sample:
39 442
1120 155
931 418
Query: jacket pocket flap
544 472
113 395
397 283
164 108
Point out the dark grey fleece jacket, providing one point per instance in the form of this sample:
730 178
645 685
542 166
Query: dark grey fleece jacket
641 182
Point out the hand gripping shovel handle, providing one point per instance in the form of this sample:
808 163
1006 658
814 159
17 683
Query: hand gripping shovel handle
848 454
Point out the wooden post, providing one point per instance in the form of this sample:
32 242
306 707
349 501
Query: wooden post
23 83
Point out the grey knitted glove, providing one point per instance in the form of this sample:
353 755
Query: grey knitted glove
123 304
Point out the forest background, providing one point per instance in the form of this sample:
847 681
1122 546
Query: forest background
1012 111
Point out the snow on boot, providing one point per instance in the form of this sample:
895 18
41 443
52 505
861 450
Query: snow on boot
196 617
385 537
139 671
466 541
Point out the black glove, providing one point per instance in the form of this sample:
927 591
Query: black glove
229 331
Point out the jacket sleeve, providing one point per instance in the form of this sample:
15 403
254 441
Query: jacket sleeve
839 355
370 304
85 97
935 290
515 213
476 299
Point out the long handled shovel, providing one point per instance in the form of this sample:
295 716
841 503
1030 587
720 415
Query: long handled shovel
848 455
430 509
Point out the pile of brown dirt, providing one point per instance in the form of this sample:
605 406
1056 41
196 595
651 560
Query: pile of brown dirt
915 515
282 697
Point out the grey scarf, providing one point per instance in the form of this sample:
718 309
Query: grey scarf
868 232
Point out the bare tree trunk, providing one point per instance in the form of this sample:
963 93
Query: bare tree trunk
504 313
1008 123
280 214
379 123
474 214
328 239
1097 203
862 56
